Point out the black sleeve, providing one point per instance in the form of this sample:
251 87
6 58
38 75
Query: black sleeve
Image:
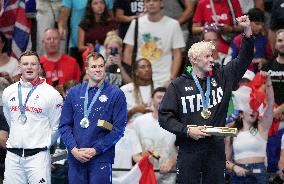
3 123
235 69
168 113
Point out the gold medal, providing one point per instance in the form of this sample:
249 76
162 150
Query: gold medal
205 114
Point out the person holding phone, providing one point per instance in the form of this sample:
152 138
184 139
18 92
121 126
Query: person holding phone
117 71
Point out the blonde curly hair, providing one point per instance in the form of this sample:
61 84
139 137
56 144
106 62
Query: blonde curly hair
198 48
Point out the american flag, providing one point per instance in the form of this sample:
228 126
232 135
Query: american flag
15 25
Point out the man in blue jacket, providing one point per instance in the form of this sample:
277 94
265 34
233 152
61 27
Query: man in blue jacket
91 147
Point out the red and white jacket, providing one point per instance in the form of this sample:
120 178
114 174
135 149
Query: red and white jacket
43 111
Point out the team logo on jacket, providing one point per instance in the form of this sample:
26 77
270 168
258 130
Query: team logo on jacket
103 98
13 99
213 82
188 88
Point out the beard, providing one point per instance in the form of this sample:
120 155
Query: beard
280 53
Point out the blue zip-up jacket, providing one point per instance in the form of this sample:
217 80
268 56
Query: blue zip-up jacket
109 106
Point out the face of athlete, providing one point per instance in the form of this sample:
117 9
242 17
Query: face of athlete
157 99
96 70
30 68
204 62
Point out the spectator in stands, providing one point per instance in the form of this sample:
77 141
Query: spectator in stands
59 169
182 11
246 5
4 129
246 153
125 11
222 17
59 67
154 139
8 64
47 16
262 51
211 33
159 40
127 151
94 26
275 69
118 72
75 9
281 160
276 20
138 93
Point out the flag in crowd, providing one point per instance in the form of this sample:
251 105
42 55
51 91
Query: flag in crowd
141 173
15 25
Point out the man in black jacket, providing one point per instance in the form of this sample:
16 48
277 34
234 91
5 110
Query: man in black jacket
201 97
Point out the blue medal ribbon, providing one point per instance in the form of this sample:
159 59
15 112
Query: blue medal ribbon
86 109
205 98
23 107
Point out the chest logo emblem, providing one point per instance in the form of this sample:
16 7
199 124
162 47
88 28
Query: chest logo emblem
103 98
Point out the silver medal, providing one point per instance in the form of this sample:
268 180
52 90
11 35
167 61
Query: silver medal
22 118
84 123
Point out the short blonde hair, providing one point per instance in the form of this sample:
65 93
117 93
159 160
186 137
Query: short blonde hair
198 48
112 36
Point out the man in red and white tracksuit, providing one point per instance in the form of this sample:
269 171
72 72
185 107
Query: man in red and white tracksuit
32 109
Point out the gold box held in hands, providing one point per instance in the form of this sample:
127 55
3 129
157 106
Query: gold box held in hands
105 125
219 131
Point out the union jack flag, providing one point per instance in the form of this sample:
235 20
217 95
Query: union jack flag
15 25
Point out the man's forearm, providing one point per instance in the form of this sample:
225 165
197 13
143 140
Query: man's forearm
176 63
127 54
187 13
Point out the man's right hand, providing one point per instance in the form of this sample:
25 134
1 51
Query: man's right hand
196 132
245 23
81 156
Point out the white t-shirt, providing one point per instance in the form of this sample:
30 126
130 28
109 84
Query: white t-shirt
153 137
11 67
128 91
155 42
125 148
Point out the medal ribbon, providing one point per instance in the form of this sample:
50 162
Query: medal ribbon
86 109
23 107
205 98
